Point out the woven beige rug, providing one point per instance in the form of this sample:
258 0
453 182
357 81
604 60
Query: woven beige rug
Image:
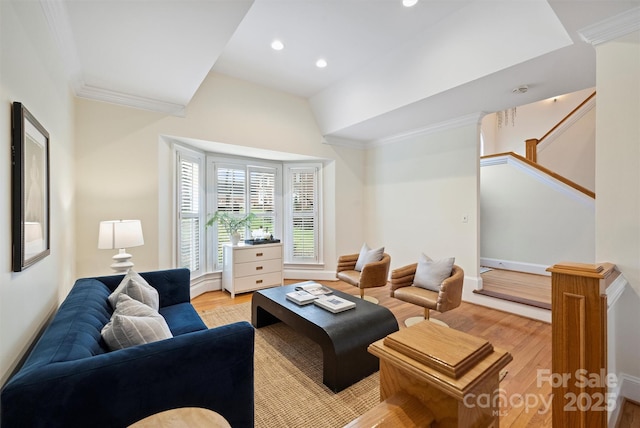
288 378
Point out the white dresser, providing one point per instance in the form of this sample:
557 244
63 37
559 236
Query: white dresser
251 267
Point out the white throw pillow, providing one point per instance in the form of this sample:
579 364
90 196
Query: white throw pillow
368 255
134 323
431 273
137 288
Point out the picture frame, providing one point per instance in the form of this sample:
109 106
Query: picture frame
29 189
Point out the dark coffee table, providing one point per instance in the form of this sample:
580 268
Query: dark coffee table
343 337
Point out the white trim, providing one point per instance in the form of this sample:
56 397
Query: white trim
205 283
344 142
552 182
470 119
615 289
571 120
310 274
100 94
628 387
536 269
612 28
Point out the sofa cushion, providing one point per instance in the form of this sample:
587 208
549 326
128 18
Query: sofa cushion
137 288
368 255
431 273
134 323
182 318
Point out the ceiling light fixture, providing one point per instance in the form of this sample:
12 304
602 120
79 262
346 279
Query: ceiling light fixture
277 45
409 3
321 63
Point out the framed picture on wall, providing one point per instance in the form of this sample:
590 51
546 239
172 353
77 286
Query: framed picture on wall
29 189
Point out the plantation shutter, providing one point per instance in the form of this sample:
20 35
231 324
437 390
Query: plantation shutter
231 198
262 198
304 214
189 203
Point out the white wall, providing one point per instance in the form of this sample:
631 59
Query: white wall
31 73
417 192
618 187
533 220
124 165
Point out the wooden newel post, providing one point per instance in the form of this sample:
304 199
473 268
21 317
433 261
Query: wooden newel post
431 374
531 150
579 343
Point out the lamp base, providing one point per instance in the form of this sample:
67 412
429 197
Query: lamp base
122 261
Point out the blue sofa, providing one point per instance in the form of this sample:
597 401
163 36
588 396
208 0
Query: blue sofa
71 379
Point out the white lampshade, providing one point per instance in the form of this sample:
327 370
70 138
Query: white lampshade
120 234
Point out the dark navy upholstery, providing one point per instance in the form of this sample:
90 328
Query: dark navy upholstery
71 379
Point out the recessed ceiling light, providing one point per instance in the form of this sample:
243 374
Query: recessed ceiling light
277 45
409 3
321 63
521 89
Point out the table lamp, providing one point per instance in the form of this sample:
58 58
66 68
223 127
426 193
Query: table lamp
120 234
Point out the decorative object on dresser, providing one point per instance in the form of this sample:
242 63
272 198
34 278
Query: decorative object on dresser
232 223
248 268
120 234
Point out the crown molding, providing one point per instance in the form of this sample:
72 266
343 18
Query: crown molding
470 119
344 142
100 94
612 28
57 18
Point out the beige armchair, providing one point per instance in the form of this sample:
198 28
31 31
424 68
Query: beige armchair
373 274
448 297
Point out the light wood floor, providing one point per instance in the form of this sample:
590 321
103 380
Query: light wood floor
528 341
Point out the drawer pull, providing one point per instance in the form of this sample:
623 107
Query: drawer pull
259 254
258 267
258 281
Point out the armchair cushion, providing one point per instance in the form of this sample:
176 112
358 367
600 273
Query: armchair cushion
367 255
430 273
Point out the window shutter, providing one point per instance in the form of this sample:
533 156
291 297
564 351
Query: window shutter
190 226
262 195
304 214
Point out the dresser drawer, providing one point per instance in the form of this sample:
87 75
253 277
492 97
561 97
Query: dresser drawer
258 253
257 268
249 283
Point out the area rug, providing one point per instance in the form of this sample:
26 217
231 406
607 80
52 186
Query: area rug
288 378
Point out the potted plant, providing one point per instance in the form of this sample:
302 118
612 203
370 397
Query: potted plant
232 223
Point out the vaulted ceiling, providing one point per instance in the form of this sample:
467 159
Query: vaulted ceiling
391 70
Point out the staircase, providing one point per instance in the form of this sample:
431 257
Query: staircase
533 217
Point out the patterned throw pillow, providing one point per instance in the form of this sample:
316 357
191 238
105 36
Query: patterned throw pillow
431 273
134 323
137 288
368 255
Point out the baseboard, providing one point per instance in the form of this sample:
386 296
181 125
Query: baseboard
628 387
515 266
205 283
321 275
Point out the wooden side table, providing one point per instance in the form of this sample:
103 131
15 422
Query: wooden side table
184 417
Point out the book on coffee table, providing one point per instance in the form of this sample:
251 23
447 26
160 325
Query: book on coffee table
314 288
301 297
334 304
